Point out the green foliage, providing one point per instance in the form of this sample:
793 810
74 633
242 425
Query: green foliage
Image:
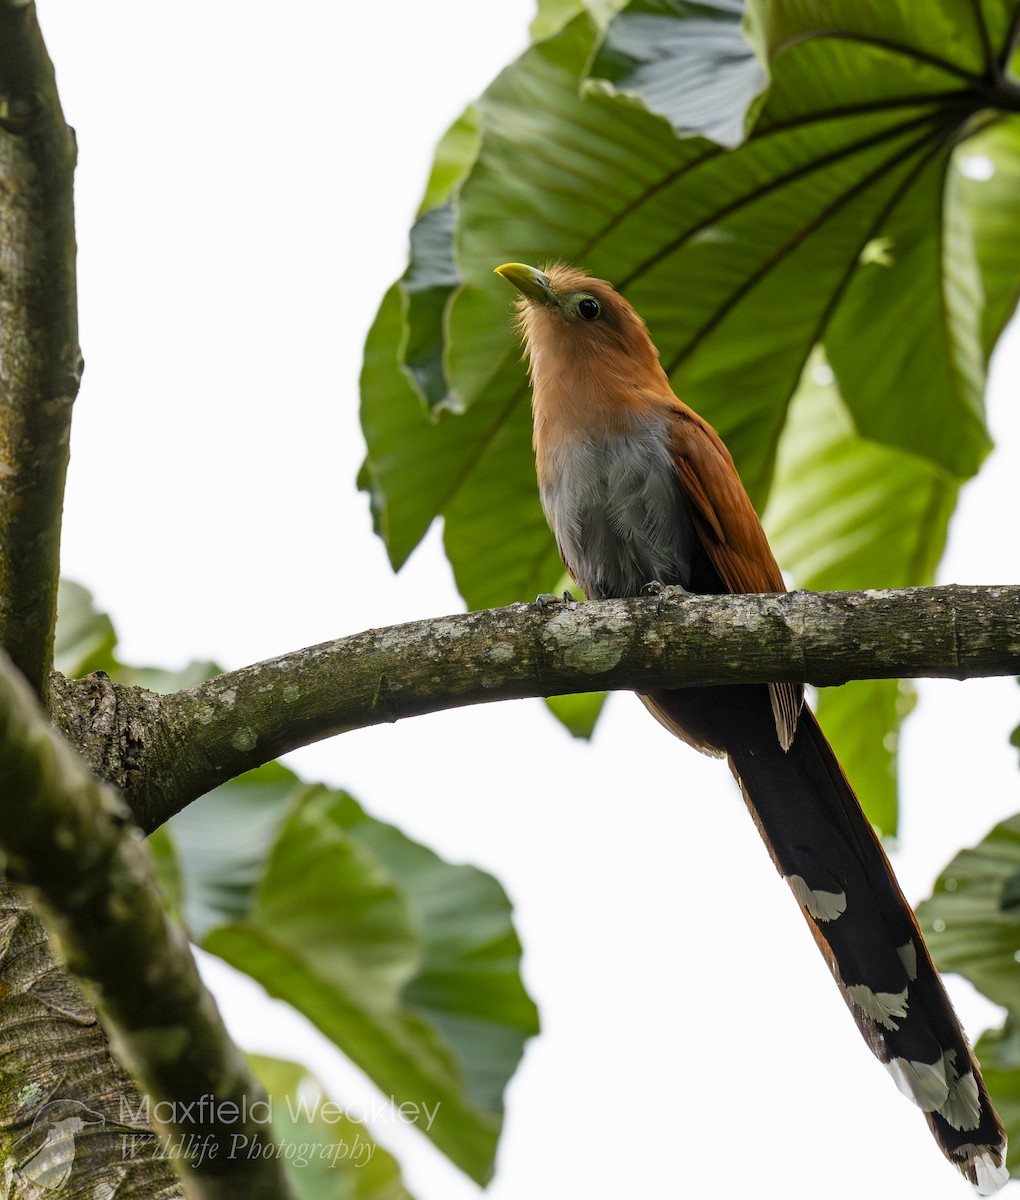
406 962
972 925
86 638
758 184
328 1155
578 713
699 72
409 964
998 1052
846 508
972 920
87 642
812 205
818 224
552 15
990 203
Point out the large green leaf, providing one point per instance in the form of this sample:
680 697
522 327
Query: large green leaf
849 512
579 713
841 219
552 15
862 721
832 222
408 491
455 153
409 964
430 281
700 72
971 922
328 1155
222 842
404 386
86 642
432 276
922 286
998 1051
990 163
85 638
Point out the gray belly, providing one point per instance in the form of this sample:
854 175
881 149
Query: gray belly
618 514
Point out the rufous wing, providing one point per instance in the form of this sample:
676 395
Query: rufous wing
731 533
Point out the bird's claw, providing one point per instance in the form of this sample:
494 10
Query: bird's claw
546 599
655 588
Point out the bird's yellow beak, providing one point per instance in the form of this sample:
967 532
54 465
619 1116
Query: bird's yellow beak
529 281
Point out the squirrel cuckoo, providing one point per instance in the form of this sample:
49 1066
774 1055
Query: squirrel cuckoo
637 488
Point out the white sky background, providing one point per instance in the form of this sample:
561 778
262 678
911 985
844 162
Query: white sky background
247 177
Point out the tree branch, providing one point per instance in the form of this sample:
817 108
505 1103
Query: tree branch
174 748
40 363
59 1074
69 843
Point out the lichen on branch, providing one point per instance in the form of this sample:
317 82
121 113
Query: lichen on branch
168 750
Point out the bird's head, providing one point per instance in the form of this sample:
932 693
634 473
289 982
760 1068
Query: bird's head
576 325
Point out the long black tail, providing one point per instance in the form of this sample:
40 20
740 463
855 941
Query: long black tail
825 848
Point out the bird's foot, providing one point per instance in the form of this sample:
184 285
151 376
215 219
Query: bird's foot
664 592
547 599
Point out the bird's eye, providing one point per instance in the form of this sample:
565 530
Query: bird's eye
589 308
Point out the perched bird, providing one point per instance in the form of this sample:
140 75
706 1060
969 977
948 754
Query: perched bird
638 488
